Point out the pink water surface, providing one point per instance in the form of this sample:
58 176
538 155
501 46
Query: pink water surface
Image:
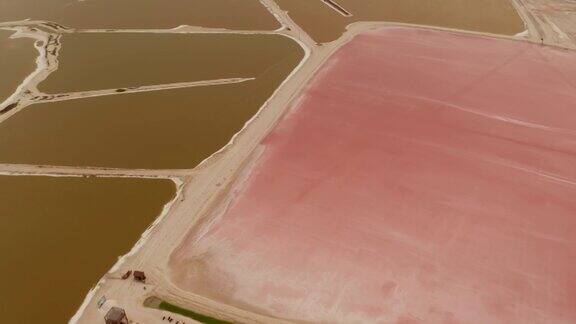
423 176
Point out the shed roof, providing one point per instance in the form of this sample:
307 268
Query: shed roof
115 314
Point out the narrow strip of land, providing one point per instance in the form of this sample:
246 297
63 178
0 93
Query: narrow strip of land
51 170
117 91
338 8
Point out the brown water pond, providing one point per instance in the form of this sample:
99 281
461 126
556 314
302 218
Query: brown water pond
104 61
233 14
58 236
159 129
17 61
325 24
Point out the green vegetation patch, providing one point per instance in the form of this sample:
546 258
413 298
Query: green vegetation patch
154 302
188 313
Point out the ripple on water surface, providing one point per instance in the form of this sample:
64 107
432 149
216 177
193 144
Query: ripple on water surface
58 236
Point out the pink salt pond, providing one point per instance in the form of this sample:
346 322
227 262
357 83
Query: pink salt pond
422 176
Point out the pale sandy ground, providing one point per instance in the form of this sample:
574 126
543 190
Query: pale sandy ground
47 44
204 186
556 21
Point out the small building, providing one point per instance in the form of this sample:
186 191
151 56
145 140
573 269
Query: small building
101 301
126 275
139 276
116 315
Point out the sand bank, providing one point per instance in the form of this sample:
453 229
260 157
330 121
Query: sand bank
18 56
46 45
